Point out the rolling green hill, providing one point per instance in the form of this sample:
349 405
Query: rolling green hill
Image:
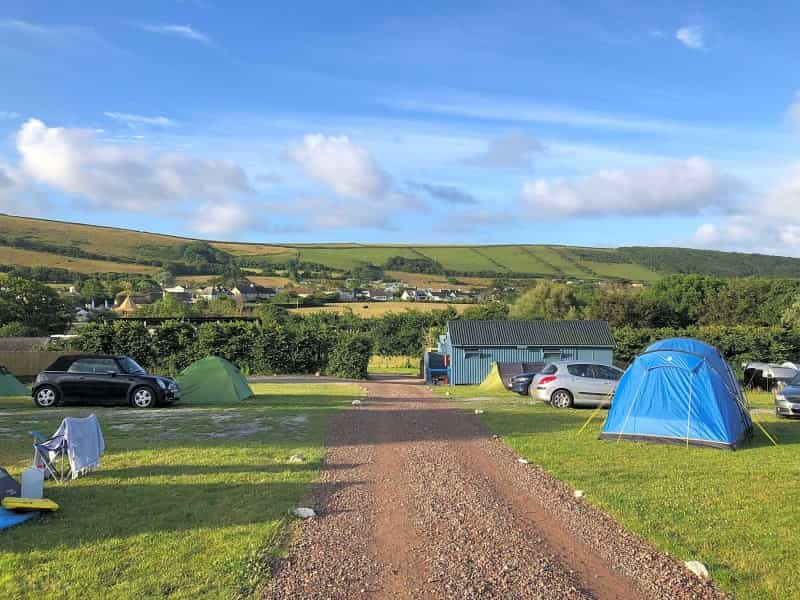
87 248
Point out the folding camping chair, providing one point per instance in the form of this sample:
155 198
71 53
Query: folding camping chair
51 455
74 449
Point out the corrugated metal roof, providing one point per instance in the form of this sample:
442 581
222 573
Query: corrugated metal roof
530 333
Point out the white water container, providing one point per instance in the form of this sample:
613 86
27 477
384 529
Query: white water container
32 483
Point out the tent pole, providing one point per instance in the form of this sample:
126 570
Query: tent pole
763 429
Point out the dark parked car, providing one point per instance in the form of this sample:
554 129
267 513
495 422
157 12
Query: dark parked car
521 383
101 379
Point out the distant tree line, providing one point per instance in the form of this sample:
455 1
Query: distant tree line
712 262
673 301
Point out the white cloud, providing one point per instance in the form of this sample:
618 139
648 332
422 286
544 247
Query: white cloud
366 196
691 36
223 218
793 112
782 200
679 187
184 31
513 151
449 194
769 223
748 233
21 26
16 194
132 120
67 37
464 105
315 213
338 163
122 177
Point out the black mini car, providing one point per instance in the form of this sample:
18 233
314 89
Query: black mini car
102 379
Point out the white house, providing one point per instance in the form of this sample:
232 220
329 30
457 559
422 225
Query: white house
250 292
377 295
213 292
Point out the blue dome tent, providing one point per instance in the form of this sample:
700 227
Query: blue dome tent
679 391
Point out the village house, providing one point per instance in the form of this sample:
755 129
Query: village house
376 295
250 292
178 292
213 292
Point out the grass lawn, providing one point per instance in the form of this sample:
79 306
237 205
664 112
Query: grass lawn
394 365
190 501
731 510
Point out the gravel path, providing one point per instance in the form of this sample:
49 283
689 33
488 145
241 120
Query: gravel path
417 500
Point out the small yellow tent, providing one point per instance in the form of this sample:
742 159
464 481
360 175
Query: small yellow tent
127 305
493 383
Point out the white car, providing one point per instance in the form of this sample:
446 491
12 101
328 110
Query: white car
570 383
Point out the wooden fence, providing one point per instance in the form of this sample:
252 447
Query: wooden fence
28 363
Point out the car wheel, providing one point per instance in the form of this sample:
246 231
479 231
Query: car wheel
46 397
561 399
143 397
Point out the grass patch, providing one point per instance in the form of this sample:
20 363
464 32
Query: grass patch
191 501
33 258
400 365
732 511
378 309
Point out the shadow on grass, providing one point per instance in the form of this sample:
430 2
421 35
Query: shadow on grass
189 470
138 509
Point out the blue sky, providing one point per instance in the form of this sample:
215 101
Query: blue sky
604 123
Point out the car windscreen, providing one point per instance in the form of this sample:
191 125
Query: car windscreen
795 380
130 366
549 369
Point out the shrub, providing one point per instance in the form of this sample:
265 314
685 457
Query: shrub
738 344
174 346
350 356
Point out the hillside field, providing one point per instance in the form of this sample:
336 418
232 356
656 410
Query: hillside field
89 248
378 309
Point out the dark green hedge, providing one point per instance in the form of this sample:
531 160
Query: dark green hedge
257 349
736 343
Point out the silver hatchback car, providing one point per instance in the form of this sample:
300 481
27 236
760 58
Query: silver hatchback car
570 383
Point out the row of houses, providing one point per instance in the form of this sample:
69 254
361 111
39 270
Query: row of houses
246 292
429 295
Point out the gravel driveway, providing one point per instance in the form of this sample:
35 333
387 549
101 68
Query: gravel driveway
417 500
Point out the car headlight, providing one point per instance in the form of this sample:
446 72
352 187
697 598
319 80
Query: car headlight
780 397
161 384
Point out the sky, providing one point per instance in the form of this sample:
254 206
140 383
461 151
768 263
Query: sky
582 123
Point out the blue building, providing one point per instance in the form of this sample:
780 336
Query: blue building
468 348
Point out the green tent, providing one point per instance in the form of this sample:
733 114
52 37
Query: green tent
213 379
10 385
